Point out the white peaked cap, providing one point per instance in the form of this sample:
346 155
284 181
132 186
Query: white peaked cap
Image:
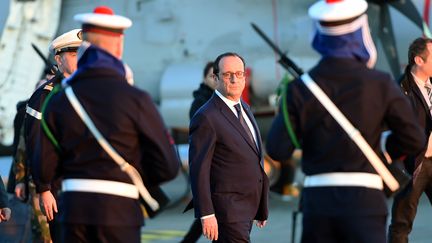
69 41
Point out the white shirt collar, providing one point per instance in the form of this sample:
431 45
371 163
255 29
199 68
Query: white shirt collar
418 81
227 101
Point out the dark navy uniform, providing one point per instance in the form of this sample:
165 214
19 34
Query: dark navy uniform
370 100
32 133
32 122
129 120
32 126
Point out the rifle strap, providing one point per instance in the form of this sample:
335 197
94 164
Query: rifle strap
352 132
122 163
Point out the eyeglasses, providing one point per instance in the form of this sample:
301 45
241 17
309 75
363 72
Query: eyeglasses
228 75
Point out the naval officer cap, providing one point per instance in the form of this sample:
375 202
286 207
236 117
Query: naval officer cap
337 10
103 20
67 42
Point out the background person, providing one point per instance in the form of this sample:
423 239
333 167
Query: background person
201 96
205 90
64 48
417 86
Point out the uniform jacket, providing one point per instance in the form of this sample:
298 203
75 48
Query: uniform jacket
130 122
33 128
371 101
226 168
422 113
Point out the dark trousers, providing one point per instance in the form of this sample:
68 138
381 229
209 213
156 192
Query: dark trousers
81 233
54 228
405 203
238 232
343 229
194 233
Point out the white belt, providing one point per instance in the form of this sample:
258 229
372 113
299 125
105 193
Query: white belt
100 186
345 179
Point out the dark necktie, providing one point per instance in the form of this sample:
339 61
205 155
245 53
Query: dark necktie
243 122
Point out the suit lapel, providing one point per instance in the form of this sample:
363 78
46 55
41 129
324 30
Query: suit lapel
233 120
419 95
255 126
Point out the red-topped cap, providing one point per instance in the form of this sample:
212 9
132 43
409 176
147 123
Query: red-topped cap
103 10
103 20
336 10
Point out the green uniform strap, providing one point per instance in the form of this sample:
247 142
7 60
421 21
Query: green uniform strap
57 88
285 113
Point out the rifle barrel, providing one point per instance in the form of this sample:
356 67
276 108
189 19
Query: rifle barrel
48 63
285 61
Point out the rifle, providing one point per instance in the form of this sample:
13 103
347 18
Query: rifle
54 69
285 61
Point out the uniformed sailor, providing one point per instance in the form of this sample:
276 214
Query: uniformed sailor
343 199
99 202
64 49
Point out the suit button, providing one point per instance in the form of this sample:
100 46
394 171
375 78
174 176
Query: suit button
260 180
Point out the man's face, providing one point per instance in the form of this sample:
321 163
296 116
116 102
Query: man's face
210 79
231 79
426 68
67 62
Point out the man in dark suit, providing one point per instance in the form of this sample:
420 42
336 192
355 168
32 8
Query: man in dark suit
417 86
229 185
343 198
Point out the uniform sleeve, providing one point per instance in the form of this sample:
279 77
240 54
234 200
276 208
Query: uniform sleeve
45 157
407 137
3 195
202 142
32 126
160 160
278 144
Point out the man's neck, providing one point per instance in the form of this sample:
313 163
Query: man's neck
419 74
226 99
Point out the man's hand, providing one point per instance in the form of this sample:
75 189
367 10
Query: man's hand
20 191
49 204
260 223
210 228
5 214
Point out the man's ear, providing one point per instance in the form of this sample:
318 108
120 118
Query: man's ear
418 60
58 60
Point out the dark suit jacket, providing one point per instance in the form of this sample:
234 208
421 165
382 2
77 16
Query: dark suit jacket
422 114
226 168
